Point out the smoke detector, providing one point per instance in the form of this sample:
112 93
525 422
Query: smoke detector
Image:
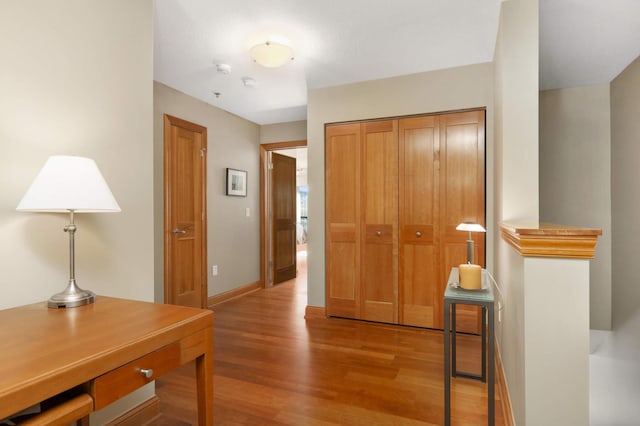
248 82
223 68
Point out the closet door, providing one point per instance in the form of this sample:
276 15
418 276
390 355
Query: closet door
342 221
419 221
379 200
395 192
462 199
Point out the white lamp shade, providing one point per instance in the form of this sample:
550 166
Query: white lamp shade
470 227
271 54
68 183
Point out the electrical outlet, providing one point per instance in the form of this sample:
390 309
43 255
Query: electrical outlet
214 270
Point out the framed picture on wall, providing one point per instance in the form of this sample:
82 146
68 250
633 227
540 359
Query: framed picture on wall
236 182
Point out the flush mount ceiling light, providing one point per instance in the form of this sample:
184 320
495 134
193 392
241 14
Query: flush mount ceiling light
271 54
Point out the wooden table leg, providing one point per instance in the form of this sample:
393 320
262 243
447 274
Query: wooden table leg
204 377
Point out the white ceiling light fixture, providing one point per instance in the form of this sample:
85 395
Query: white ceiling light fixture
271 54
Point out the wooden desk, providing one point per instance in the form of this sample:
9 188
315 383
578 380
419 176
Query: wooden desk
101 347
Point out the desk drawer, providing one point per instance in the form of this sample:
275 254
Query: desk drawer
63 413
123 380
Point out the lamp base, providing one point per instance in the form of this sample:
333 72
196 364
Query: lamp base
72 296
470 250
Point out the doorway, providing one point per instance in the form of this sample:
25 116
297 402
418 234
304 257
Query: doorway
281 246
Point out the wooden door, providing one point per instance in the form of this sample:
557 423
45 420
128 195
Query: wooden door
185 212
419 221
379 228
283 220
392 206
342 220
462 199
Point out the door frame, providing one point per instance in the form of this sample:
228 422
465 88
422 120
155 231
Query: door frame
169 121
264 202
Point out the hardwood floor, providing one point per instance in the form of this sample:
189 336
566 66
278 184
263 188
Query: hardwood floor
273 367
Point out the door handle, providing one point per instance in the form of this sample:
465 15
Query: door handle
179 231
418 234
378 233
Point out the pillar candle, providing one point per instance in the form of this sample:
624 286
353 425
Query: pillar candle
470 276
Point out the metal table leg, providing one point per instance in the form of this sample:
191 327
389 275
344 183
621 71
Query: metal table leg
454 368
491 400
484 343
447 365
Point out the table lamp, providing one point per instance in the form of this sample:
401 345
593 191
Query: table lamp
68 184
470 227
470 274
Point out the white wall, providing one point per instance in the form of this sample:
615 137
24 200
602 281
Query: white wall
575 176
516 176
615 388
76 79
233 238
556 342
625 197
445 90
544 334
283 132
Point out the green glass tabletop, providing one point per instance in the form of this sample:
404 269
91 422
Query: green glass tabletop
454 291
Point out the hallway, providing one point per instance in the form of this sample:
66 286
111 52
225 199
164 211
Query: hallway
273 367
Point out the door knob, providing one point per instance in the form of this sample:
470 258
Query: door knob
378 233
418 234
179 231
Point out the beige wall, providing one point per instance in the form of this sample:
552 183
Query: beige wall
233 238
556 342
451 89
282 132
544 332
575 176
76 79
516 177
625 197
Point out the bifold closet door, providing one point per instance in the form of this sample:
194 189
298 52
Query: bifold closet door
419 221
441 185
342 221
395 192
462 199
379 201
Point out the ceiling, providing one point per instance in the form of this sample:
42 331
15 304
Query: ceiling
585 42
582 42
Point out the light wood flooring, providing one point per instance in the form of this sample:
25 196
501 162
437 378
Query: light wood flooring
273 367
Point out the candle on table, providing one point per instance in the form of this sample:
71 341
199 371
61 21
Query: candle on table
470 276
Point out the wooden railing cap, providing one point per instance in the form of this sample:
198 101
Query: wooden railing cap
551 240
